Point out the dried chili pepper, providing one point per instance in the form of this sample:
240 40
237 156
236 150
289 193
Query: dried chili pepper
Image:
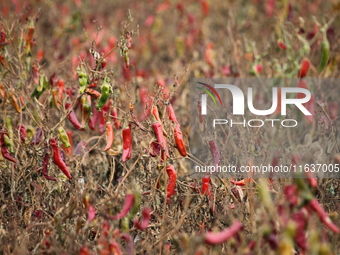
14 102
128 203
127 143
155 113
206 185
44 170
93 119
93 93
101 121
155 149
215 153
281 45
57 159
304 68
224 235
64 137
170 170
110 135
325 48
55 98
22 132
4 150
73 118
315 205
179 141
105 92
238 183
114 114
157 128
171 113
134 117
146 216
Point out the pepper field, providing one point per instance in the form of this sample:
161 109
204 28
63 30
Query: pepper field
94 161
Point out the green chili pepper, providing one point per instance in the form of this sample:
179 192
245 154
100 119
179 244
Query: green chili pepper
125 222
29 134
105 92
9 139
86 110
136 203
325 47
41 87
82 79
64 137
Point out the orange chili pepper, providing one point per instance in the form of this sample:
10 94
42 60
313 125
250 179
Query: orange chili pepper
110 135
14 102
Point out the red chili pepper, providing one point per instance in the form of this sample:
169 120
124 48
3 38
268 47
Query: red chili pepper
311 179
170 170
155 149
93 118
157 128
215 153
238 183
155 113
281 45
110 135
73 118
171 113
69 92
44 170
93 93
315 205
128 203
114 114
304 68
127 143
134 117
224 235
179 141
206 185
22 131
57 159
4 150
146 216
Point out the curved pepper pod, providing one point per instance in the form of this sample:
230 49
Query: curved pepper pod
179 141
73 118
224 235
57 159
